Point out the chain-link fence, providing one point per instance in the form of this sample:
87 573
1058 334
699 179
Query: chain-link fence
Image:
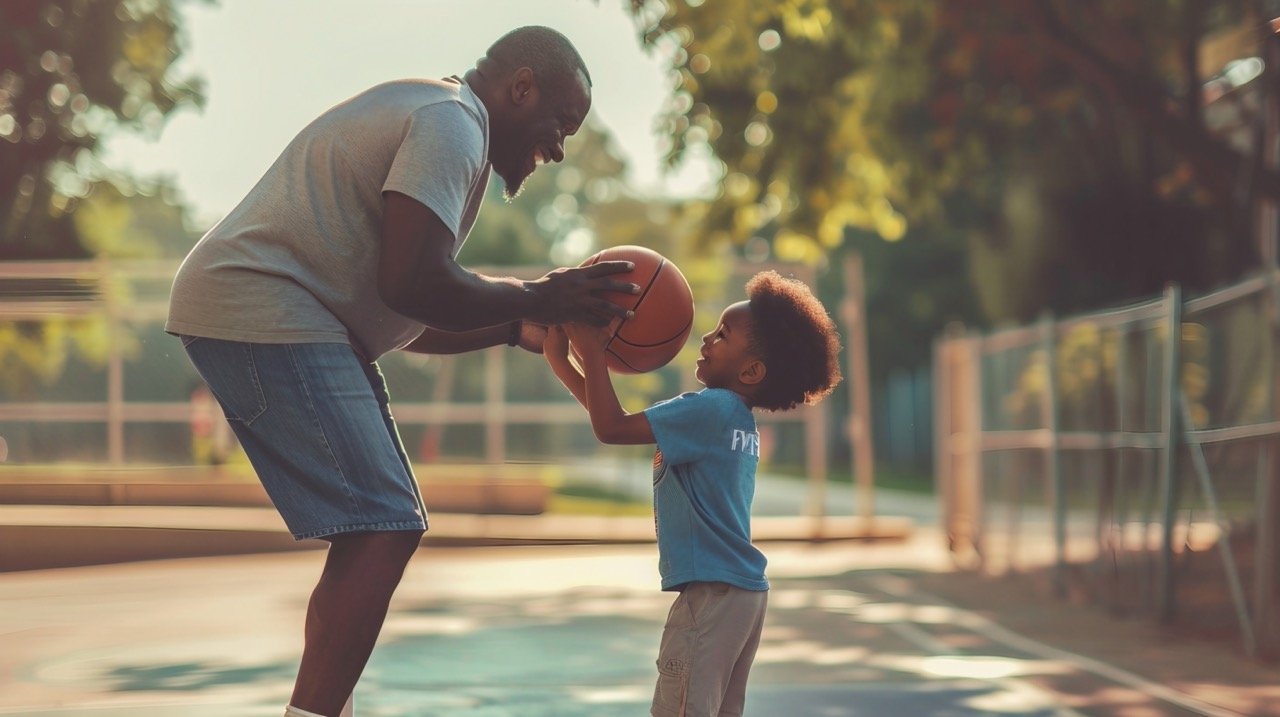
1132 453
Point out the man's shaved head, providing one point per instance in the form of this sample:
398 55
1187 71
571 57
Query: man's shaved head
552 57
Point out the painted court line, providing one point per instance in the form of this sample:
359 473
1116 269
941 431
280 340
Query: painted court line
1032 695
998 633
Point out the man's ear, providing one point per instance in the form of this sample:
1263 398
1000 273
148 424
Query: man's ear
524 88
753 373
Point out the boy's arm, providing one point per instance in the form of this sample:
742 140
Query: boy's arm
556 350
611 424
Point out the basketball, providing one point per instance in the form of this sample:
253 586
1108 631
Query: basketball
663 311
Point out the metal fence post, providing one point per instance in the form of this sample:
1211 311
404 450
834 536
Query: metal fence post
1052 459
815 462
1264 580
1168 471
1234 584
943 475
859 383
1116 540
115 366
975 490
495 381
1268 508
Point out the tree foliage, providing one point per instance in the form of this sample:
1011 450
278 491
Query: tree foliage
71 72
1064 154
794 98
559 211
1094 137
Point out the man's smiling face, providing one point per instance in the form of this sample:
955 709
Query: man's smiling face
538 133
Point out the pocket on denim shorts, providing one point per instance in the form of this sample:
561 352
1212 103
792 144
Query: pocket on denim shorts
227 367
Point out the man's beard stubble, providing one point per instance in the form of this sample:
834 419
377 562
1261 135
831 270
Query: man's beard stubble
518 182
509 195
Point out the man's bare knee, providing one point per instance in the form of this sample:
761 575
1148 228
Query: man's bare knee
401 543
381 547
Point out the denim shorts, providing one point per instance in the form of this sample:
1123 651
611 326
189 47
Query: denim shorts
315 421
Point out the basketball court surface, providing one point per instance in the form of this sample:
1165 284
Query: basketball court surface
572 632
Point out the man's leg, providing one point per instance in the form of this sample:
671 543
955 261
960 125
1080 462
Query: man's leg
346 613
315 422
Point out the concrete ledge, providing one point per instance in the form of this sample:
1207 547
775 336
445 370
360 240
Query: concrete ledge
197 494
501 529
35 536
502 497
38 547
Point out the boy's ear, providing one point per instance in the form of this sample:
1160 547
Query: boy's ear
753 372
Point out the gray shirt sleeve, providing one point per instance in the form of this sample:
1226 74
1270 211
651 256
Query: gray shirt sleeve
439 159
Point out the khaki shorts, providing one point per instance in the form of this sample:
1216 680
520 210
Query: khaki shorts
708 644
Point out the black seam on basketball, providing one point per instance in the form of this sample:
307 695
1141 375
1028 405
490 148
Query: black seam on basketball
624 362
643 293
647 346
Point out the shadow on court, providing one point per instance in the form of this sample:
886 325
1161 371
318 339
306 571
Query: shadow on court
852 630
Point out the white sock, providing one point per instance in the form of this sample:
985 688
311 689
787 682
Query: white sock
348 710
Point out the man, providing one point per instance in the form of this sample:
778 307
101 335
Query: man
345 250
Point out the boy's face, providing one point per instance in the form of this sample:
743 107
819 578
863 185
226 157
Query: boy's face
726 356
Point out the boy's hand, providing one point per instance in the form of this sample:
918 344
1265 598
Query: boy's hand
532 336
556 343
588 340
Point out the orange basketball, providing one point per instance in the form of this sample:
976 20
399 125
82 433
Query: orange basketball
663 311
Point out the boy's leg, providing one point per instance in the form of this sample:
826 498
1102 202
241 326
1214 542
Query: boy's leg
735 694
674 653
346 613
708 644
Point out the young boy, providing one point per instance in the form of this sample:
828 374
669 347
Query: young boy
774 351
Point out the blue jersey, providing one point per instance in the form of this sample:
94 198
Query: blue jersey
704 478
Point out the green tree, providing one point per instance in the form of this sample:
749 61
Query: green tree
1095 173
793 97
1057 152
71 72
554 218
814 108
127 219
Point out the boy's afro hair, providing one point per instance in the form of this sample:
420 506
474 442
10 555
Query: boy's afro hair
792 333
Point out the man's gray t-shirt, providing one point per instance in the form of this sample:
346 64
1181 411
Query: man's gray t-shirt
297 260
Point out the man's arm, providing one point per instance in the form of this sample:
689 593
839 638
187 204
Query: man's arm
418 277
435 341
525 334
611 424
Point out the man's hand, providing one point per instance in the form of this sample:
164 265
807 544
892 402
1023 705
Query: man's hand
419 277
575 295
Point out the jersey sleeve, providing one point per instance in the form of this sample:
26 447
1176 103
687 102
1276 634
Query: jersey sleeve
685 427
438 160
